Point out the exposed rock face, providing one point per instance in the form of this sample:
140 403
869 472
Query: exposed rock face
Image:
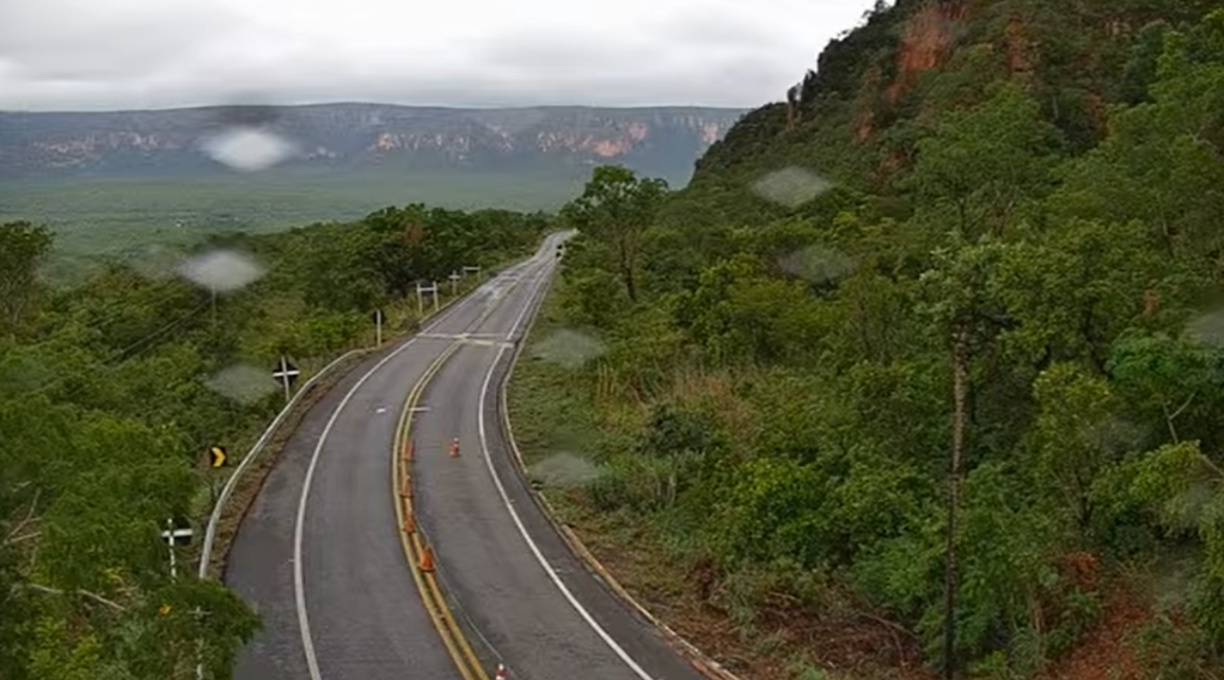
663 140
926 43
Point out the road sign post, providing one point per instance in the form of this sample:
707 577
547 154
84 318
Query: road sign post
199 614
217 457
378 321
172 536
287 373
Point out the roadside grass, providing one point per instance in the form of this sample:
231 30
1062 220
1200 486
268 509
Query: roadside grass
553 408
567 418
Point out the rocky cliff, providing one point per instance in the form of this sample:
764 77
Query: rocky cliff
660 141
855 118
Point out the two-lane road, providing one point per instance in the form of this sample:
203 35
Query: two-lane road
320 553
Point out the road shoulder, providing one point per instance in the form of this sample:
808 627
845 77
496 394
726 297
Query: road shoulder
601 591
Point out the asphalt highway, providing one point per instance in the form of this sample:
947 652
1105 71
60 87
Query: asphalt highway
322 557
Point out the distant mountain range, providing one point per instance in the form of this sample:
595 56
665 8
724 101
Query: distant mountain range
659 141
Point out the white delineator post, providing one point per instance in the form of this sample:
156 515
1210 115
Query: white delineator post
421 290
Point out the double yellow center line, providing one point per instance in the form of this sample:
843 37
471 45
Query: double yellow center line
416 549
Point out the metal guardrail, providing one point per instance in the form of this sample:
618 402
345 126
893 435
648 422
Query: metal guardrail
214 520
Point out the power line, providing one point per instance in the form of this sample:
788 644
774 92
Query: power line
114 311
108 363
162 331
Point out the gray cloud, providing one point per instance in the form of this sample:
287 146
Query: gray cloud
548 54
716 29
76 40
100 54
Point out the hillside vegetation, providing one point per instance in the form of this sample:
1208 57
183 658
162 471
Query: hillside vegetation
112 392
971 264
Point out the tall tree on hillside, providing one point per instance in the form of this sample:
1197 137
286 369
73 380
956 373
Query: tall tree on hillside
615 208
976 171
23 248
962 308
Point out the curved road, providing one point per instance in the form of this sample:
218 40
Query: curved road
320 555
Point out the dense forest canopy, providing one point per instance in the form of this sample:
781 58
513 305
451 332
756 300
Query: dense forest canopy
999 293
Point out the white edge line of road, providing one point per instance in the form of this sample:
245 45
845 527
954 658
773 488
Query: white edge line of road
214 520
695 656
299 591
535 550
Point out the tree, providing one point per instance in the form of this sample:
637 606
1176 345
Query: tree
1070 437
23 249
985 163
615 208
1073 291
963 313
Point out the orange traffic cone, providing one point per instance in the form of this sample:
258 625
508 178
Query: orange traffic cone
408 451
406 489
454 448
501 672
409 523
427 561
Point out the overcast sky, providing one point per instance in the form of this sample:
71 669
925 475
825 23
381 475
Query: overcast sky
106 54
